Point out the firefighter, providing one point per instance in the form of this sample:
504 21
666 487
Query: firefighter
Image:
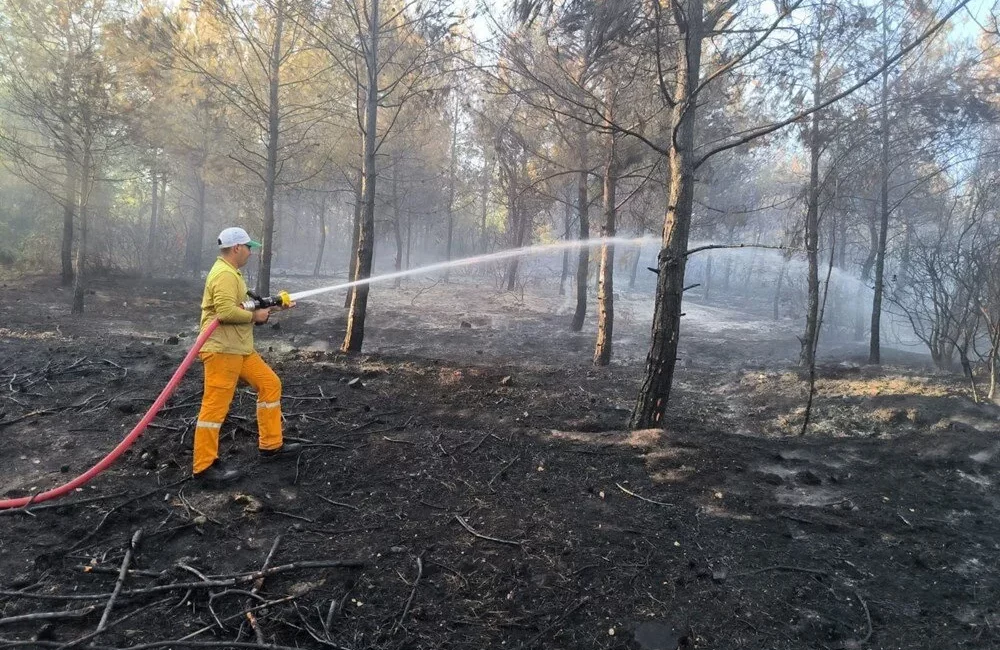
229 356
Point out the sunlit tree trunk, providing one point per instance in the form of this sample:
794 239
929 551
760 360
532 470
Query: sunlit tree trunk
605 283
654 390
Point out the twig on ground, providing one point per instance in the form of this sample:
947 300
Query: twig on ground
256 587
292 516
136 536
336 503
642 498
413 592
559 619
26 416
104 519
502 470
229 580
780 567
269 603
469 528
480 443
87 637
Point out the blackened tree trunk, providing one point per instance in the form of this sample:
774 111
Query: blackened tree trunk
69 213
777 289
634 270
567 225
355 336
583 211
196 234
487 185
153 214
874 346
321 221
672 259
808 339
706 292
397 227
271 162
451 185
86 186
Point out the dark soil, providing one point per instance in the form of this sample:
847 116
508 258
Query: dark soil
481 474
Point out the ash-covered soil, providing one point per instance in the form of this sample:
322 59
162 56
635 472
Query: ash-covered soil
477 487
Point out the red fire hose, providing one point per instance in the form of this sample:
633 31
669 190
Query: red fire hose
129 439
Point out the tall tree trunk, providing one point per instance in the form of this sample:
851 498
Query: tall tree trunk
321 220
634 271
567 225
355 335
654 391
69 212
605 283
451 184
86 187
487 183
874 346
409 237
352 261
397 227
777 289
583 210
808 339
153 214
196 235
707 289
519 229
271 163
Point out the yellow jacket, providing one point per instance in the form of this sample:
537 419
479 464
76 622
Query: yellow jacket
225 289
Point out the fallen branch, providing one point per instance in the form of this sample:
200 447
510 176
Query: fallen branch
48 616
121 580
469 528
642 498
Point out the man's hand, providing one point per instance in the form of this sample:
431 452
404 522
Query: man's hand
261 315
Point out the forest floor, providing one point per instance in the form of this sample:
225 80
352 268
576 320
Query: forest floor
479 488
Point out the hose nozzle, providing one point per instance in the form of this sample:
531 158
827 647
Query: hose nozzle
282 299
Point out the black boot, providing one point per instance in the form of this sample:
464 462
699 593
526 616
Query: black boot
286 450
218 472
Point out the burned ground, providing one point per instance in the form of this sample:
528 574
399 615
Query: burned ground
480 476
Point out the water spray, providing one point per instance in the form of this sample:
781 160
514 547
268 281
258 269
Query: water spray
285 299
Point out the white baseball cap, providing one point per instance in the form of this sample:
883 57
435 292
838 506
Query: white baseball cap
233 236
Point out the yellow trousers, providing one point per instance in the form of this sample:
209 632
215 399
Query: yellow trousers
222 372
